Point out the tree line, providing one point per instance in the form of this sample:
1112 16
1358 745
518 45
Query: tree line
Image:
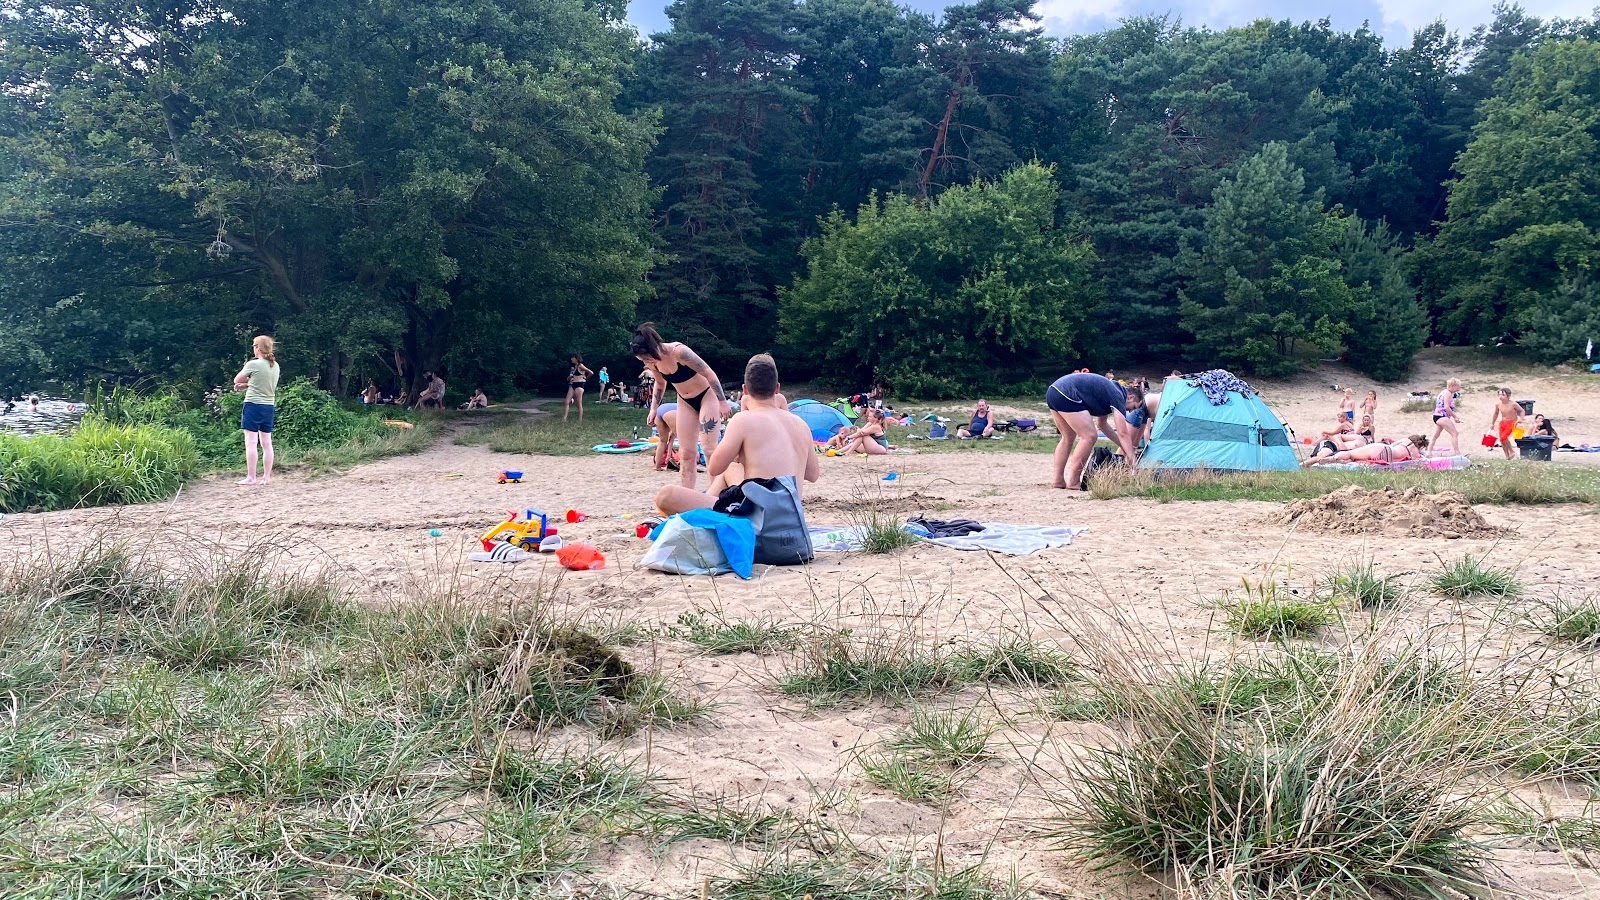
944 203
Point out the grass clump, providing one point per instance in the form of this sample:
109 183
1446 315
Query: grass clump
950 738
1360 583
1572 621
836 666
1470 577
723 636
1266 610
1017 661
1311 777
725 820
96 464
897 878
1417 405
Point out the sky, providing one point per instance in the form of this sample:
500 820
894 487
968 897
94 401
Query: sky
1395 20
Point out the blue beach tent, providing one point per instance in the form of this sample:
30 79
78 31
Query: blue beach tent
1242 434
823 420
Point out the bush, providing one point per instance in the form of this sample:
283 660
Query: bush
95 465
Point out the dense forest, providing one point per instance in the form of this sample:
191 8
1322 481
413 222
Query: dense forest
944 203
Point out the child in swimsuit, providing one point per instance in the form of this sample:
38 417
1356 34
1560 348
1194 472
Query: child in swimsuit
1506 415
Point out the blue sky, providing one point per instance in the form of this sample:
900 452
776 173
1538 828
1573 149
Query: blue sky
1394 19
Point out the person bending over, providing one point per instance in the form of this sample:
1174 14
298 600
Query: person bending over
980 427
666 418
1142 407
1413 447
1082 404
700 395
1507 413
765 440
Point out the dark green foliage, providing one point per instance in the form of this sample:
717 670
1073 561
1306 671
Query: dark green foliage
1523 216
938 299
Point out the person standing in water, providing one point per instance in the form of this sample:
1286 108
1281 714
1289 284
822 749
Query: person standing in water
259 381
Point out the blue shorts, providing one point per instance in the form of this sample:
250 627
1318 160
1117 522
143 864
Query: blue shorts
258 417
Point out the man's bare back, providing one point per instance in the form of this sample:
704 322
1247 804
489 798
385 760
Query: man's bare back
767 441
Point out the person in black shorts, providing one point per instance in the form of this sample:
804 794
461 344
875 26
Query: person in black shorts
700 395
1083 406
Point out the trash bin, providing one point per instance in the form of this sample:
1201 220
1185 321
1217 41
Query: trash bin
1536 447
1527 407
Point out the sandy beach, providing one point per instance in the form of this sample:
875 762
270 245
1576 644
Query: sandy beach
1158 563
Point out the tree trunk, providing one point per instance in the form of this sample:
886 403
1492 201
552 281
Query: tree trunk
333 376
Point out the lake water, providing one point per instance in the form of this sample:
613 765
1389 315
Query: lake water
52 415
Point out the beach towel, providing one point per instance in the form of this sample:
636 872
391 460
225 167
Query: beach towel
1433 463
1216 384
633 448
1012 540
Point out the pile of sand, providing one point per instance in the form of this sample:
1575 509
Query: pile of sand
1357 510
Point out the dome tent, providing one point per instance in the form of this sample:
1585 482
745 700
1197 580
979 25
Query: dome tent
1241 434
823 420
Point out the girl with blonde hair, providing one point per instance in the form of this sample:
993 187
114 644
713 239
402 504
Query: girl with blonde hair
259 381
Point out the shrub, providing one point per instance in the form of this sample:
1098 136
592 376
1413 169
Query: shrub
95 465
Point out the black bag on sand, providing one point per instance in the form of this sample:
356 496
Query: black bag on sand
1103 456
773 507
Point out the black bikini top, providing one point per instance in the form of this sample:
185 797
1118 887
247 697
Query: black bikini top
679 375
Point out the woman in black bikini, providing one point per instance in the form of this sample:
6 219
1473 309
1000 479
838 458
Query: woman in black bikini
1413 447
577 376
700 395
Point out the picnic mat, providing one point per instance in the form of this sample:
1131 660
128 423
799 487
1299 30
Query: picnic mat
1012 540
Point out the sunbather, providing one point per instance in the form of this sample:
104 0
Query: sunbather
871 438
765 439
980 426
1541 425
1413 447
1336 443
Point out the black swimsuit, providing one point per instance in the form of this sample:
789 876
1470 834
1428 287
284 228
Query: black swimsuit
685 373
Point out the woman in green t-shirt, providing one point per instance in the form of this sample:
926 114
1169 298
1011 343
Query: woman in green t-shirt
259 381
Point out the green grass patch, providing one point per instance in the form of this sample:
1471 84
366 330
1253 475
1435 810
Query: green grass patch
1304 774
1360 583
96 464
1469 576
717 635
898 878
952 738
256 731
835 667
544 434
1018 661
312 430
1486 482
1267 610
1572 621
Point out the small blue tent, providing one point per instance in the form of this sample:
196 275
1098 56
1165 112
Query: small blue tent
822 419
1241 434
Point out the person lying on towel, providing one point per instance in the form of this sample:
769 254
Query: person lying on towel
765 439
1386 452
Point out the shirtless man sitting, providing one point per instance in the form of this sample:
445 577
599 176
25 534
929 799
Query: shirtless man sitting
764 440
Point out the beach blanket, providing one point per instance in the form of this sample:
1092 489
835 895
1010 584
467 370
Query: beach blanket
1578 449
1436 463
634 448
1012 540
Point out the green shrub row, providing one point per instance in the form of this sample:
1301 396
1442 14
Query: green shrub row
97 464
